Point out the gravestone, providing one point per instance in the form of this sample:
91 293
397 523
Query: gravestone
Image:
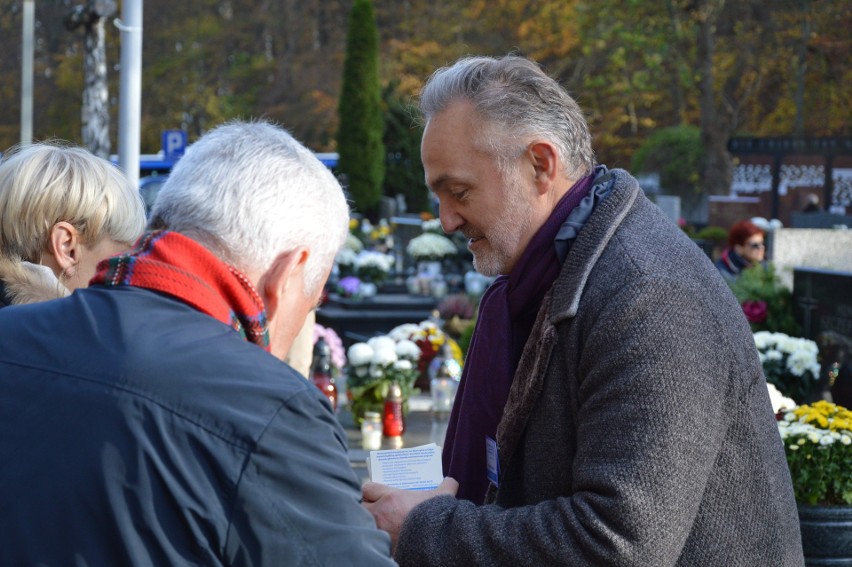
823 307
406 227
670 205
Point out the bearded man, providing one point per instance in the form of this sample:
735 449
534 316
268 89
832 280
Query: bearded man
612 410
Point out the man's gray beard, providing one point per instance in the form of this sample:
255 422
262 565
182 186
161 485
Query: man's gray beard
516 221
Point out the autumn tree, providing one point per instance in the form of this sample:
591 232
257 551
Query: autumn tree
359 139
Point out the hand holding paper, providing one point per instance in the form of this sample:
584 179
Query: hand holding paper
389 506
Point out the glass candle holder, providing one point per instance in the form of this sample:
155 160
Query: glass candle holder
371 431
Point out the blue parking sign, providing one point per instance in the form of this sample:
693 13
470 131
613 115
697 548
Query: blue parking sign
174 143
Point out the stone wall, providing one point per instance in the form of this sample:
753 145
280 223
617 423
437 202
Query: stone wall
824 249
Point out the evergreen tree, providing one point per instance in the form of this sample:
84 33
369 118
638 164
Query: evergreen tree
359 140
404 174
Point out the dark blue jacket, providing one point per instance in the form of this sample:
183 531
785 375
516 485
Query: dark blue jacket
135 430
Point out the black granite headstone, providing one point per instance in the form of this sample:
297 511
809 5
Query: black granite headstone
823 306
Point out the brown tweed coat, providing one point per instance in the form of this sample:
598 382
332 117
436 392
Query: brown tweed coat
638 430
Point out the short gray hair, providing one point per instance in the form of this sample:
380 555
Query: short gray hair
45 183
518 103
249 191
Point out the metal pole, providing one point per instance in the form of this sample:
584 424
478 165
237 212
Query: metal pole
130 89
27 73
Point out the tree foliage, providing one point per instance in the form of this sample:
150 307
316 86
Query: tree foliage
749 67
677 155
404 173
359 139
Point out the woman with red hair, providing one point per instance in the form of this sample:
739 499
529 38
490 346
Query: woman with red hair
746 248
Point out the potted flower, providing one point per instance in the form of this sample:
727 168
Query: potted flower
789 363
373 366
429 249
818 444
372 266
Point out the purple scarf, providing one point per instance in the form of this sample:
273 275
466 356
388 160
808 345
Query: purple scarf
507 313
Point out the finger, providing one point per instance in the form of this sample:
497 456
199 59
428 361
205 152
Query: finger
448 486
372 491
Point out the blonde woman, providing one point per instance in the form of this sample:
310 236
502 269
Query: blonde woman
62 210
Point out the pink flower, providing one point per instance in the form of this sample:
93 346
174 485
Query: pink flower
755 311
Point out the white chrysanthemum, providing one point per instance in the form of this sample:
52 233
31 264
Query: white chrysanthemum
846 440
779 402
384 356
773 354
353 243
375 260
430 246
346 257
408 350
432 225
404 331
360 354
785 344
800 362
763 339
826 440
382 342
403 364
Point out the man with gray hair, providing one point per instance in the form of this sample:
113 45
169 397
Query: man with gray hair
613 409
149 420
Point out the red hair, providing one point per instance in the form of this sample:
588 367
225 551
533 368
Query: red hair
742 231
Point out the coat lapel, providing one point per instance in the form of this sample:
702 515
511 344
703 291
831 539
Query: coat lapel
560 303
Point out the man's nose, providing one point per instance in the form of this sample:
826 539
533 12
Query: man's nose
451 221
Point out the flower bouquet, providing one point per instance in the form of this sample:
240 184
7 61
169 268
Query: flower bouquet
430 247
790 364
372 266
429 338
345 262
373 366
818 444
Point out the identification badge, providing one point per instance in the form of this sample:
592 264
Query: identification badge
492 461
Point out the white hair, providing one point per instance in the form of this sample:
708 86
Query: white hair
249 192
45 183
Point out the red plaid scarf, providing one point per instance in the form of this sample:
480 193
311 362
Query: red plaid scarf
176 265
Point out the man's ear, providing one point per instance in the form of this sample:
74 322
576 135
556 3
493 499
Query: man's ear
63 248
545 161
281 277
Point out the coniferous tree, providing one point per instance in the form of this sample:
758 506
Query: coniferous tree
359 139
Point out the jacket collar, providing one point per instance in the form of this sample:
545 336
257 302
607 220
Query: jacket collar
28 283
590 244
